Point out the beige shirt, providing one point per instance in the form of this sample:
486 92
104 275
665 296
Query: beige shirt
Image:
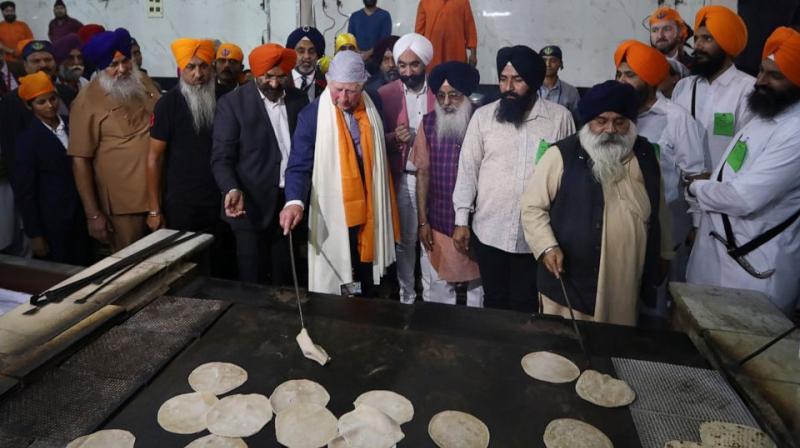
116 136
497 160
624 237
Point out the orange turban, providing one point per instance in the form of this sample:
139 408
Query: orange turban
783 47
185 48
667 13
230 51
21 46
262 59
34 85
727 28
648 63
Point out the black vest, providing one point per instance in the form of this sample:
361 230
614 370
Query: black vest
576 217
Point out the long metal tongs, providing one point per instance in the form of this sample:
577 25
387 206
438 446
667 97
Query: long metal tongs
310 350
575 323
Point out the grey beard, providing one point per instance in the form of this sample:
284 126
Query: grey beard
607 153
453 125
201 101
125 89
67 74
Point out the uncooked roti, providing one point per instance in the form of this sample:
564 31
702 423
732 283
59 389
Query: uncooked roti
239 415
390 403
186 414
455 429
338 442
217 377
550 367
367 427
682 444
215 441
604 390
305 425
298 391
724 435
571 433
107 438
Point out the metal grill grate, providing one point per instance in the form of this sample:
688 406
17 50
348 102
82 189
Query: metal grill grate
672 401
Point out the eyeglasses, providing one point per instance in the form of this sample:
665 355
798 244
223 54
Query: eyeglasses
454 96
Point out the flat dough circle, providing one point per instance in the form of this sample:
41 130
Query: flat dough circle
396 406
215 441
107 438
298 391
571 433
455 429
305 425
217 377
604 390
239 415
550 367
186 414
682 444
721 435
338 442
367 427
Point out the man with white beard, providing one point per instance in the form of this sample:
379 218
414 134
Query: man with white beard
591 213
69 58
109 140
435 154
181 190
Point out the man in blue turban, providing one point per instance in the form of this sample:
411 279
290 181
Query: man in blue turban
309 44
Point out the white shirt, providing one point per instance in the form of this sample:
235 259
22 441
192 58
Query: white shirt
764 192
497 160
297 77
416 108
726 95
276 110
60 131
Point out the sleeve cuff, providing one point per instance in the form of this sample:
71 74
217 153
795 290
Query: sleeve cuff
462 217
295 202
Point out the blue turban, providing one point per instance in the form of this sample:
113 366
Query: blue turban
525 61
312 34
609 96
462 77
100 49
35 46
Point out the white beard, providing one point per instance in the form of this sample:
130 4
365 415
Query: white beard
202 101
607 153
124 89
453 125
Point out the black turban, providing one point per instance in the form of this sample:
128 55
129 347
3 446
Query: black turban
526 62
387 43
462 77
312 34
610 96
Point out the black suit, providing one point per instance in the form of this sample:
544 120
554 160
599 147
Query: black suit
246 156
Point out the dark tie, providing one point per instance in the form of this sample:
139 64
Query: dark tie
304 84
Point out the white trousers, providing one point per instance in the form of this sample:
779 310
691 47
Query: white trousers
407 248
437 290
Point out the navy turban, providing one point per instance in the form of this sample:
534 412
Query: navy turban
100 49
527 62
462 77
312 34
609 96
35 46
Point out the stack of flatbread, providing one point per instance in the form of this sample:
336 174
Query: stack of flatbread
302 419
375 421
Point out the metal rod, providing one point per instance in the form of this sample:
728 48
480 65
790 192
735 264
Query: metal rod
294 277
574 322
766 346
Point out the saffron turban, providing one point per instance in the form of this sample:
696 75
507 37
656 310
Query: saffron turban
86 32
648 63
727 28
34 85
100 50
263 58
347 66
666 13
525 61
462 77
64 45
184 49
783 47
310 33
417 43
609 96
230 51
345 39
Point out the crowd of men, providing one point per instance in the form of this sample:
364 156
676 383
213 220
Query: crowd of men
682 168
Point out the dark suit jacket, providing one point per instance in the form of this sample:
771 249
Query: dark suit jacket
245 153
301 159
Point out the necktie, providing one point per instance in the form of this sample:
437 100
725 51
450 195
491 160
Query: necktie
304 84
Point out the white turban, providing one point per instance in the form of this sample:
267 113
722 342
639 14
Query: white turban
347 66
417 43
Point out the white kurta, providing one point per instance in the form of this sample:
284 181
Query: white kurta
726 95
763 193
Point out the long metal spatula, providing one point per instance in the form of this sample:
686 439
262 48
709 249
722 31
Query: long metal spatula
310 350
575 323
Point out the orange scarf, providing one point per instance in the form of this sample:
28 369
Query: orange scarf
357 194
